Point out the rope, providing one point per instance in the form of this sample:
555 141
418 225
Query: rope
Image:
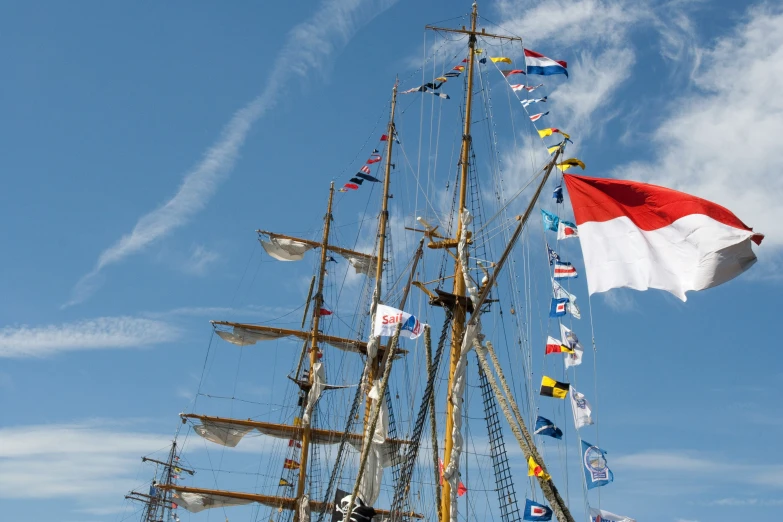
519 429
433 425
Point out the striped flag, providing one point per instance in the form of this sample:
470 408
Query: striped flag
538 116
365 169
525 103
537 63
564 270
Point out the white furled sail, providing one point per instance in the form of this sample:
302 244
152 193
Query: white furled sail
451 473
223 433
379 456
244 337
319 381
362 265
197 502
285 249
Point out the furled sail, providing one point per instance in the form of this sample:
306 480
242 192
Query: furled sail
379 456
223 433
223 430
197 502
285 249
199 499
319 380
362 265
240 335
244 337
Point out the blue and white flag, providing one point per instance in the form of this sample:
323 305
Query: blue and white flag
557 194
553 256
545 426
597 473
536 511
570 339
558 307
527 102
599 515
550 220
564 270
387 318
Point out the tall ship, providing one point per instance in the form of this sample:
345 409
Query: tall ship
439 366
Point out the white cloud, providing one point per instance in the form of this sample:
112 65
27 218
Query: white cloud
720 141
92 334
685 464
743 502
86 461
309 45
200 260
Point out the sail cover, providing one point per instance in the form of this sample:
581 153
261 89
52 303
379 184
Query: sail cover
244 337
319 380
197 502
285 249
223 433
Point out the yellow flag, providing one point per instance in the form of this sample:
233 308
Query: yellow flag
478 51
496 59
553 388
573 162
548 132
297 422
441 79
533 469
553 148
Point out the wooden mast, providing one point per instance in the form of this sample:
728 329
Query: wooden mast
383 220
460 311
319 301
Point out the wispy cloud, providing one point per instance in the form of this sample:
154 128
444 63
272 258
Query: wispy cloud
719 140
201 258
102 332
82 461
745 502
308 47
688 464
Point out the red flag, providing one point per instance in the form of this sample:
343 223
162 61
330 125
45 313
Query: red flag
464 60
294 443
174 506
324 311
384 137
375 158
642 236
319 355
291 464
352 186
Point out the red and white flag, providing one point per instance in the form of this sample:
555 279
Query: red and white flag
644 236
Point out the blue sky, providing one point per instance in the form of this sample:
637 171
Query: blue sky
143 144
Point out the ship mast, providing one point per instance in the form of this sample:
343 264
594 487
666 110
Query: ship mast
319 301
374 365
460 307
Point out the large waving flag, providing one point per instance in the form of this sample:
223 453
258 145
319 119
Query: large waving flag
644 236
537 63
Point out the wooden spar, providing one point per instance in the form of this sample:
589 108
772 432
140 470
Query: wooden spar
291 432
270 500
316 244
147 459
361 346
383 219
307 303
319 301
460 311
